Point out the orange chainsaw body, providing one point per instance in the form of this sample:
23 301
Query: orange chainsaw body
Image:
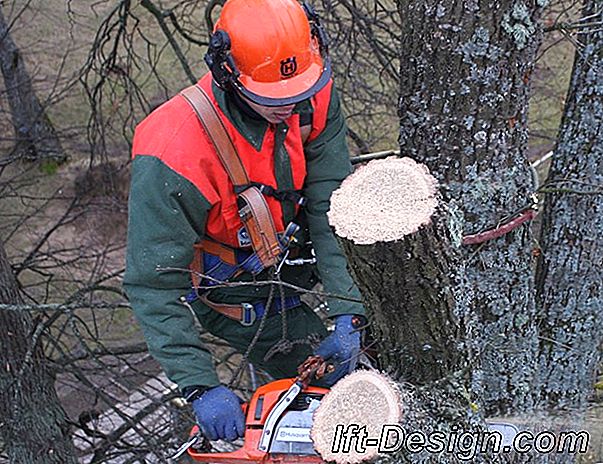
256 412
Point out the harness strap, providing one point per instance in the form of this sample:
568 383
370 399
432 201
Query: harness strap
224 253
254 213
294 196
253 209
214 127
256 216
221 262
248 313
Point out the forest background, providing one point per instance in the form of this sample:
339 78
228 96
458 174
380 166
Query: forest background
78 76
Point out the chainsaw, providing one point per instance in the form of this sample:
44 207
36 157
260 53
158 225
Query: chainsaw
278 419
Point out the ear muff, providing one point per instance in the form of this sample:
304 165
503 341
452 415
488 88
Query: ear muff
220 61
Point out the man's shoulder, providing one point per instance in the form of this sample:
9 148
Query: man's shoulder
173 135
164 127
170 129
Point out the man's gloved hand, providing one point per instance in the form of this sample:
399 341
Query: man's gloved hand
341 348
219 414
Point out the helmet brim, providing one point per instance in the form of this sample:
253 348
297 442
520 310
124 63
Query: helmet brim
287 91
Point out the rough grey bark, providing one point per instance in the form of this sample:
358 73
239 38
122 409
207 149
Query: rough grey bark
465 72
407 286
412 287
569 283
32 423
35 136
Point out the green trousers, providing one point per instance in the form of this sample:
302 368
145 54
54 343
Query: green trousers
302 326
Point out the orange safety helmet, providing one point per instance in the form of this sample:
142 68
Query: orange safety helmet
273 51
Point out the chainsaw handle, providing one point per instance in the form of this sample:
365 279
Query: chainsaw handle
256 412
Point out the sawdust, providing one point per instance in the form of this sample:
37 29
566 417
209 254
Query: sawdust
383 201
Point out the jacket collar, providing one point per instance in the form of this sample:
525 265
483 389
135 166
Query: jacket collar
247 122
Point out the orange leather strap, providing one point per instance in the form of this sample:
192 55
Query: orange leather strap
196 265
254 212
232 311
260 227
214 127
225 253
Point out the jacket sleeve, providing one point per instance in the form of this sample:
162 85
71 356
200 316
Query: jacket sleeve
327 164
167 214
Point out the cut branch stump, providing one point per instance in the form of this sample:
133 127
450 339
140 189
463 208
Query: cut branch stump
400 241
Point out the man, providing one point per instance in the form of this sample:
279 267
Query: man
271 92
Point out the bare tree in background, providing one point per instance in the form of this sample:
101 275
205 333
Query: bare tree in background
35 135
570 290
33 427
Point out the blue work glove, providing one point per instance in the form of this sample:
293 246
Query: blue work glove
219 414
341 348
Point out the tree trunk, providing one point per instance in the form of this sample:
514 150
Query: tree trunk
402 245
36 138
570 289
33 427
407 276
464 92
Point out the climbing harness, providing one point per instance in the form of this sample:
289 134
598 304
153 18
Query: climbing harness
269 248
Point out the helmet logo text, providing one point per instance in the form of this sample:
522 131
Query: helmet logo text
288 67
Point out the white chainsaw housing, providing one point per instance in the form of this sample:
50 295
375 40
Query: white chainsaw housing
292 432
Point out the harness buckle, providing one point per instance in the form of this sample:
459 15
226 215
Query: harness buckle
249 315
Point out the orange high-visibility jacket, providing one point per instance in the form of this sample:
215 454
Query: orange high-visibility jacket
181 193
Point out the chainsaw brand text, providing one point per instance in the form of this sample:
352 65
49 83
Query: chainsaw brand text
465 445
